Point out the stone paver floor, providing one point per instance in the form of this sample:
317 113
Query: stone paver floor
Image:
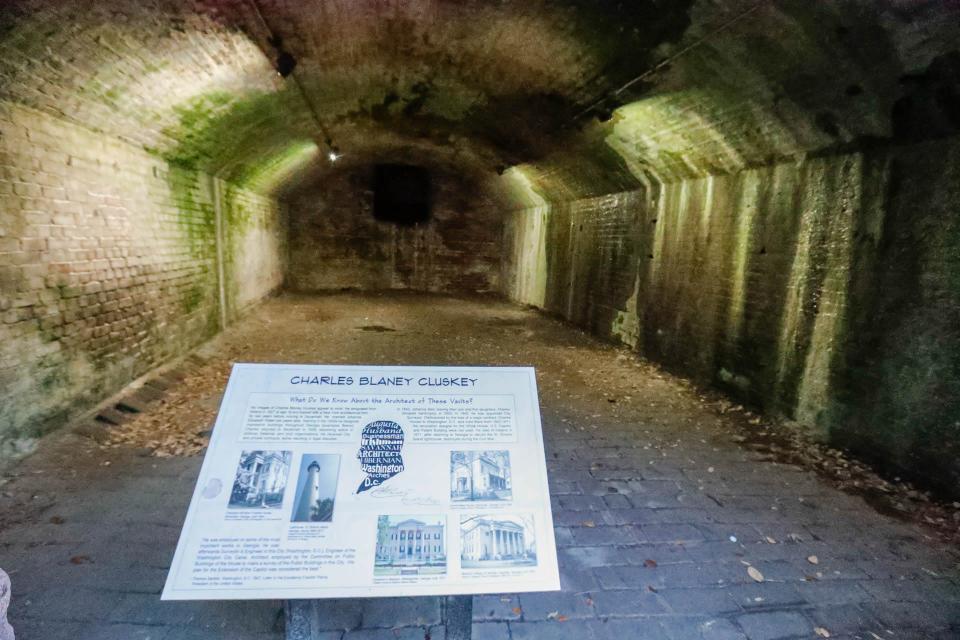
659 512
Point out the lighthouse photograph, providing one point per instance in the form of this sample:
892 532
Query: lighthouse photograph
316 487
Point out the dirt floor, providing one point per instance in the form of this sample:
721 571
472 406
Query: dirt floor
678 513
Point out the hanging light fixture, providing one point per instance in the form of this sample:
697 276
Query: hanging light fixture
285 63
333 151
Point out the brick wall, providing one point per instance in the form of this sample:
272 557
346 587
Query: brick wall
336 243
108 266
817 289
255 247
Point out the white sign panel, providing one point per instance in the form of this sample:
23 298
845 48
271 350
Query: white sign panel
352 481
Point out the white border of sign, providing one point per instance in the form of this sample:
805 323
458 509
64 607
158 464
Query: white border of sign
328 481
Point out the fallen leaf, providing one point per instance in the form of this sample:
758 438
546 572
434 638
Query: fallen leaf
80 560
650 564
57 520
823 633
813 560
517 611
754 573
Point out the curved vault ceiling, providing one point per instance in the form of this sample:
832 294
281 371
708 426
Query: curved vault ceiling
581 97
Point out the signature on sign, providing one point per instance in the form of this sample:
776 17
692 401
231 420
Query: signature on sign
403 495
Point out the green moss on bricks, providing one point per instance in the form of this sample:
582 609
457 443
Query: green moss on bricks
51 379
250 142
196 217
193 142
193 298
274 167
219 131
113 94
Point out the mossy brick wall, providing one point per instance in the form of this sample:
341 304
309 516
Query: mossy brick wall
577 259
255 237
899 398
825 289
107 266
336 243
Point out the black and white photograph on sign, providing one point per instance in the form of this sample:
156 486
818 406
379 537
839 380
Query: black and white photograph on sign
480 475
497 540
411 545
260 480
316 488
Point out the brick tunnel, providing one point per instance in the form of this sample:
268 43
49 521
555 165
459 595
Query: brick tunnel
725 232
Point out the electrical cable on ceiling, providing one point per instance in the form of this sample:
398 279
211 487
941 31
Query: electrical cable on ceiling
666 61
649 72
285 65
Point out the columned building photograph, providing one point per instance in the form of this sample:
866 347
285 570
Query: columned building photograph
261 479
406 543
480 475
497 540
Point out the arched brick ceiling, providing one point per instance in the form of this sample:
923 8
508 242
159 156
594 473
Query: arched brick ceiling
684 88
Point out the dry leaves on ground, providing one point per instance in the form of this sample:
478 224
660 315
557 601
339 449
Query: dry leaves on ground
179 423
789 442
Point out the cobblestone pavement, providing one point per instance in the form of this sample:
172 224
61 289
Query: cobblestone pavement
659 513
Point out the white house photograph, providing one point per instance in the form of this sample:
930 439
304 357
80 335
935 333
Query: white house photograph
497 540
480 475
260 480
411 545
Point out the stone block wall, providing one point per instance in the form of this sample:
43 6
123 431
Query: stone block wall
108 266
336 243
825 289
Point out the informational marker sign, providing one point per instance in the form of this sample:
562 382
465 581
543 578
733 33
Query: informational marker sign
352 481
